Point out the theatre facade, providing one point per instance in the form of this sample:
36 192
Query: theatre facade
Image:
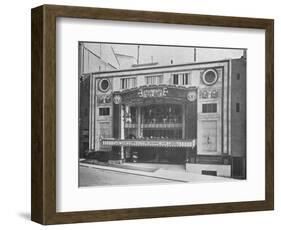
192 114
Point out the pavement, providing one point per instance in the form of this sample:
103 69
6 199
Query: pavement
100 177
175 173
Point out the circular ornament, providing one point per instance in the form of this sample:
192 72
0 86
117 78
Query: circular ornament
104 85
191 96
210 77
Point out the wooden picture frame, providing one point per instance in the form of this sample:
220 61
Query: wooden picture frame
43 202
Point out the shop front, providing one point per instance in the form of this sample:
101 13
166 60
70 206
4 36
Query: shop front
154 124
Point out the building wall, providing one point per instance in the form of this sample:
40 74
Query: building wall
103 126
84 110
209 137
125 61
220 170
214 125
238 118
91 62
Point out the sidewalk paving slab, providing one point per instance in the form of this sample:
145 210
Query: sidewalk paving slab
175 175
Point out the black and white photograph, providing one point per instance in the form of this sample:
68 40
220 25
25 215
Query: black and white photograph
156 114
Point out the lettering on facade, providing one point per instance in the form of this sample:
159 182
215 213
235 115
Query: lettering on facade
159 92
144 94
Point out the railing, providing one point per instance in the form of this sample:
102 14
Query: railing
150 143
162 126
156 125
129 125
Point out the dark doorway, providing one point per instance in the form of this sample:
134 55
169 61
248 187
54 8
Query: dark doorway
239 167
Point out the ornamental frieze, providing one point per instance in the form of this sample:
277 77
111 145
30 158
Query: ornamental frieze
208 93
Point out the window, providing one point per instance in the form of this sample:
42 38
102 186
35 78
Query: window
238 76
104 111
237 107
128 83
185 79
154 80
175 79
181 79
209 108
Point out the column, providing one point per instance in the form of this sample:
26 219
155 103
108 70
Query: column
183 121
139 122
122 126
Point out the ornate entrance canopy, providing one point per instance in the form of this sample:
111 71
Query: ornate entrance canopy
156 94
154 116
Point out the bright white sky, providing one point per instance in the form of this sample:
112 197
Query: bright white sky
164 54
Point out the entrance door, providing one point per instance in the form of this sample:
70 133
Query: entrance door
207 137
105 132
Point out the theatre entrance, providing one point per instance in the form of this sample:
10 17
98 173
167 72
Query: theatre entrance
152 123
155 124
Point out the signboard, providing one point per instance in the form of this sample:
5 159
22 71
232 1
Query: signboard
137 95
156 92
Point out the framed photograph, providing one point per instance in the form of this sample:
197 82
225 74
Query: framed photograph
140 114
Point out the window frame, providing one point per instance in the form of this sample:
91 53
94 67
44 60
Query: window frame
125 81
181 78
209 108
158 79
103 115
237 107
